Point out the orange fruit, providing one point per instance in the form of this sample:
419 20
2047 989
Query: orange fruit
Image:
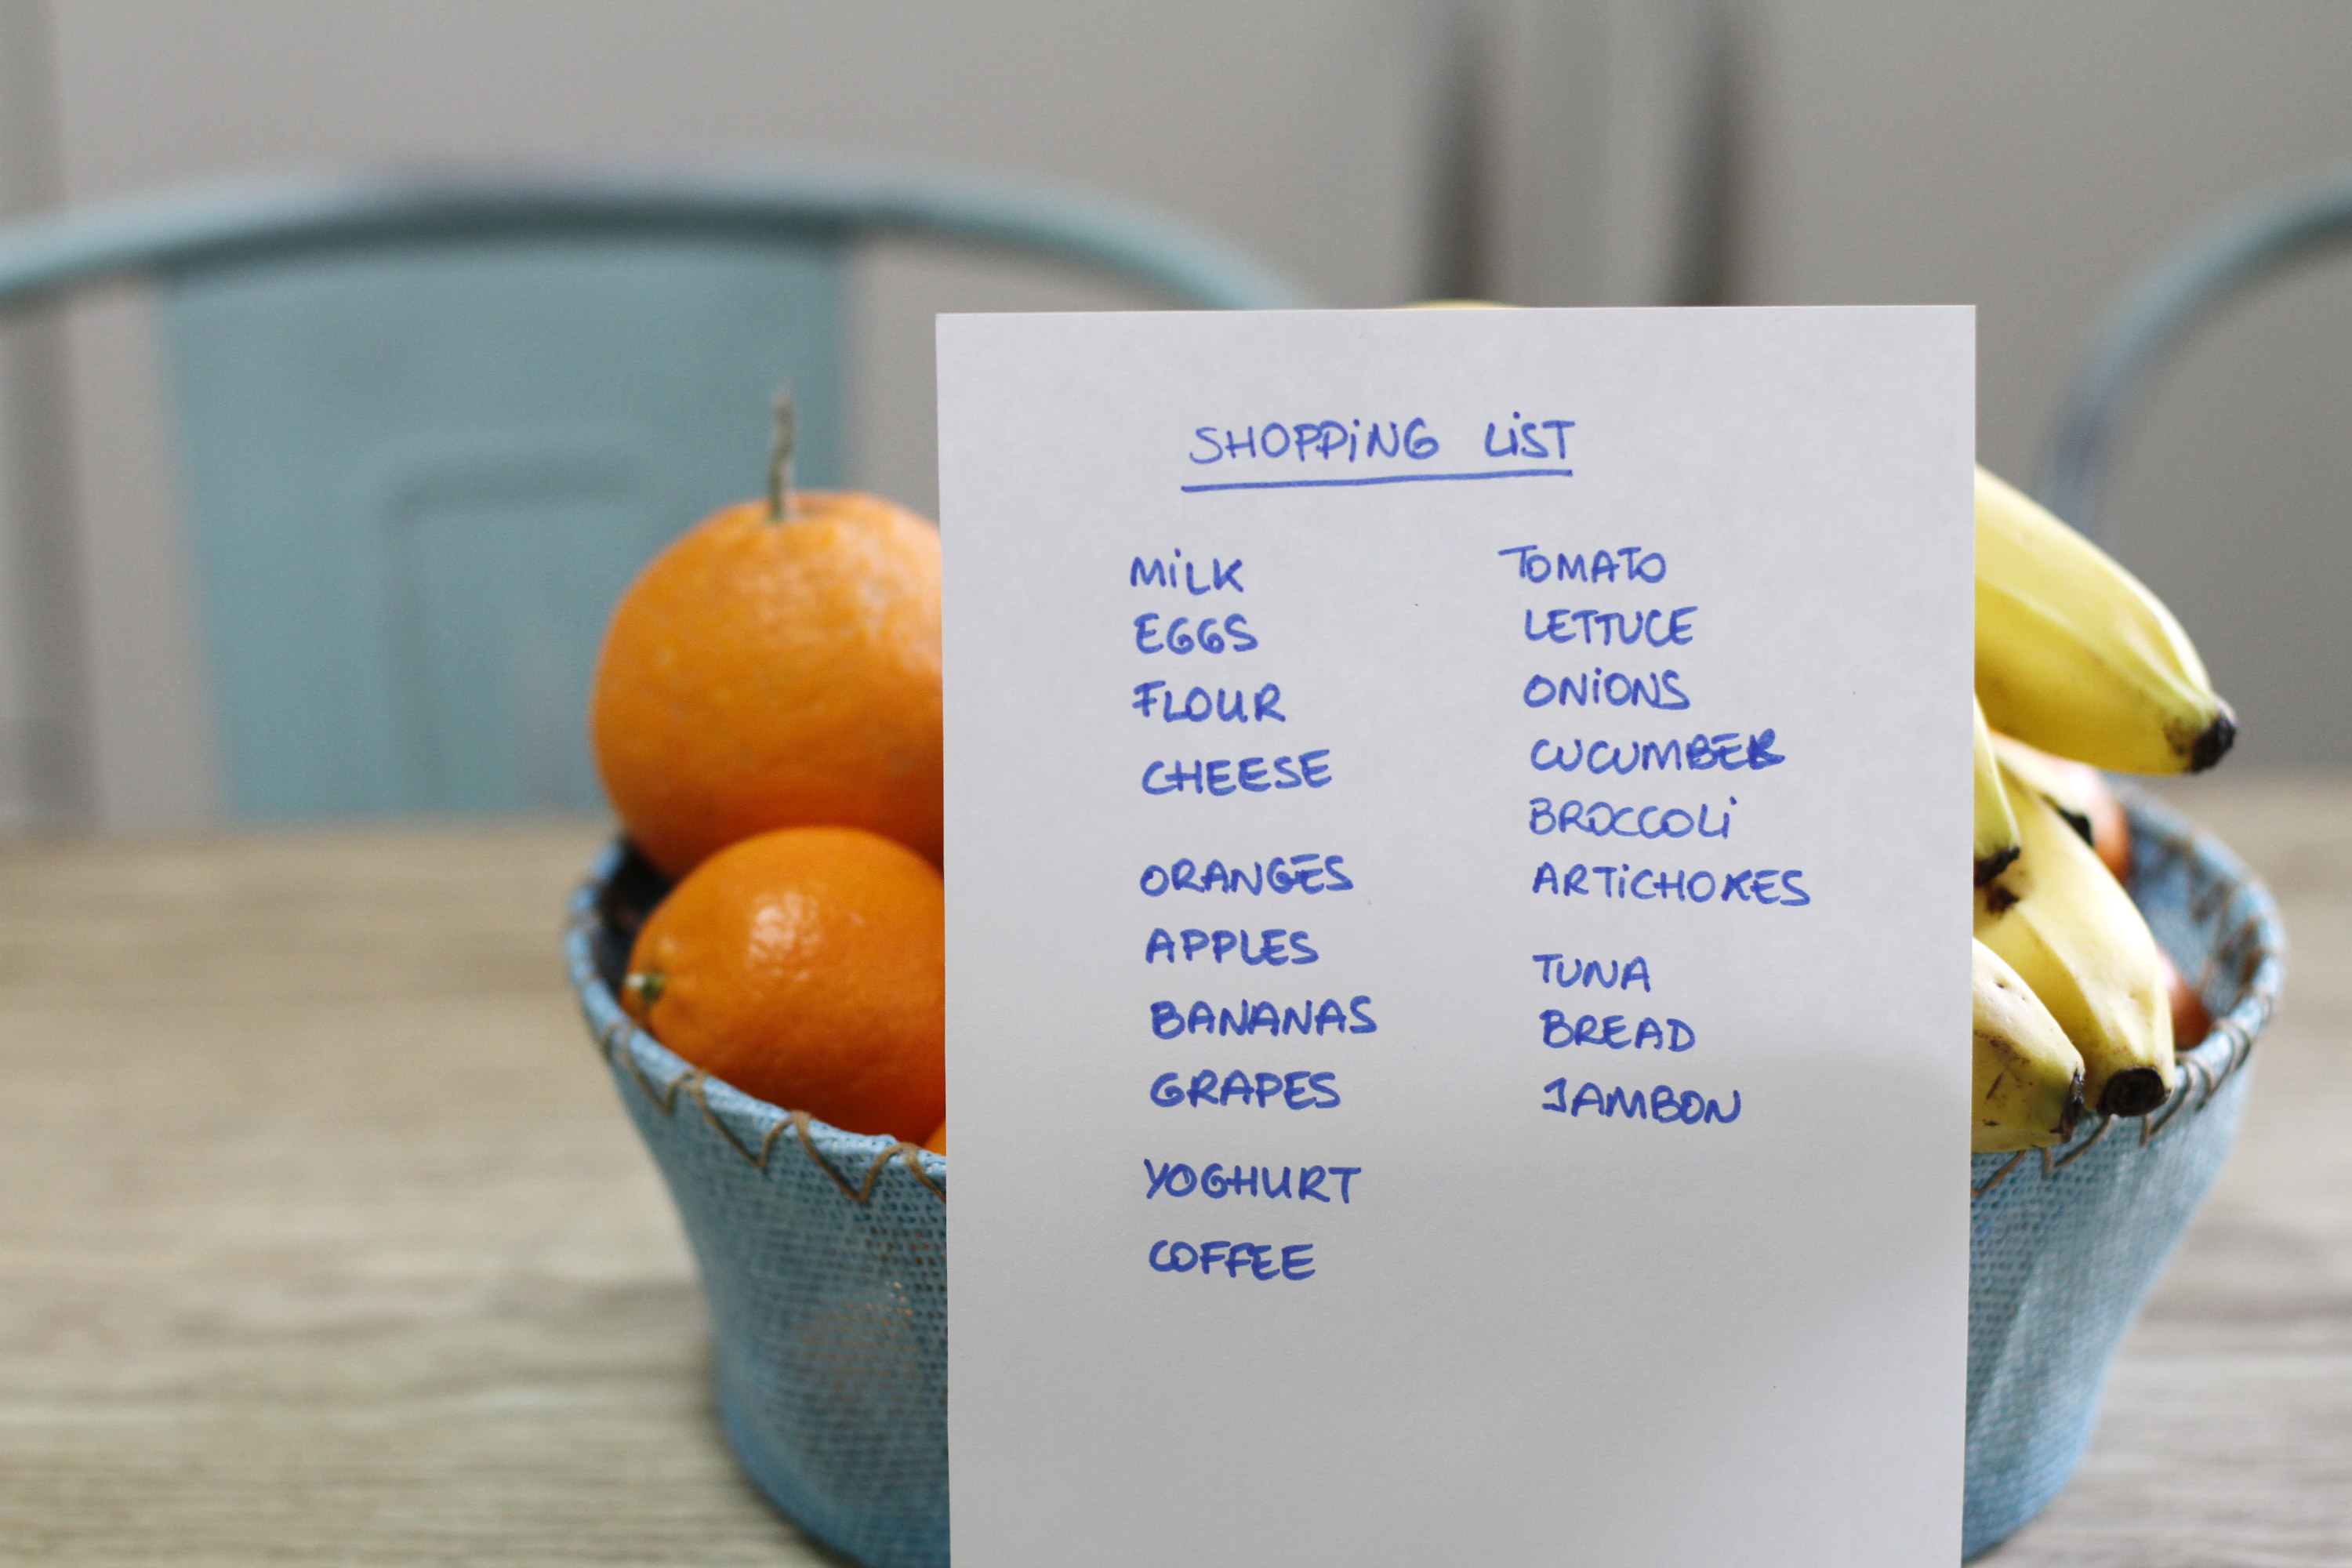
2110 827
770 671
806 967
2190 1022
938 1142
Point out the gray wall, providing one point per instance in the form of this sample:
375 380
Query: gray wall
2022 156
1308 132
2027 157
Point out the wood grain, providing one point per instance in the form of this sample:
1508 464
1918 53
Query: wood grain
2225 1440
323 1240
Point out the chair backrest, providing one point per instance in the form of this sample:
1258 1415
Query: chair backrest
429 429
419 478
2213 264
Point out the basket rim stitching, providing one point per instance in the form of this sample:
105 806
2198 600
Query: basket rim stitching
758 1162
912 1154
863 1192
2050 1167
579 929
1999 1177
665 1098
2151 1128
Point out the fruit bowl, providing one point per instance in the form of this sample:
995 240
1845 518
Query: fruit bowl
2065 1243
824 1253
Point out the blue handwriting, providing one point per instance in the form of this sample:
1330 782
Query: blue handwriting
1180 573
1562 971
1297 1261
1223 775
1660 689
1309 874
1560 1031
1600 819
1538 565
1660 1104
1613 628
1623 882
1723 750
1217 944
1301 1090
1253 1180
1309 1018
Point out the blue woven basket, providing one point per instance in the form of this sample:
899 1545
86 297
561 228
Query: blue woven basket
824 1253
2063 1244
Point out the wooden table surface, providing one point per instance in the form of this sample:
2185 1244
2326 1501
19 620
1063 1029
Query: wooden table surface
322 1238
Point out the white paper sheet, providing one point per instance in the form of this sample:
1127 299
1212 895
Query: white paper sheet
1618 1210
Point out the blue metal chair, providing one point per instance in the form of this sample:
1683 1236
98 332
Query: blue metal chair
429 428
2214 265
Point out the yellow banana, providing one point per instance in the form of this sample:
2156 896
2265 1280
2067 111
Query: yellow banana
2029 1078
2071 933
2079 794
1996 824
2075 657
2048 777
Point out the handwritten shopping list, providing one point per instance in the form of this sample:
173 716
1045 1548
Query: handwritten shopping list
1455 965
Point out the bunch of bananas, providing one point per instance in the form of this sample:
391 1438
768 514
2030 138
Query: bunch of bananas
2074 660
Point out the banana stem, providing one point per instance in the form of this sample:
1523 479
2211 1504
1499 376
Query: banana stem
780 458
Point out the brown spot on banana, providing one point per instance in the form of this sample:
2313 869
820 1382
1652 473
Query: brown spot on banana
1992 865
